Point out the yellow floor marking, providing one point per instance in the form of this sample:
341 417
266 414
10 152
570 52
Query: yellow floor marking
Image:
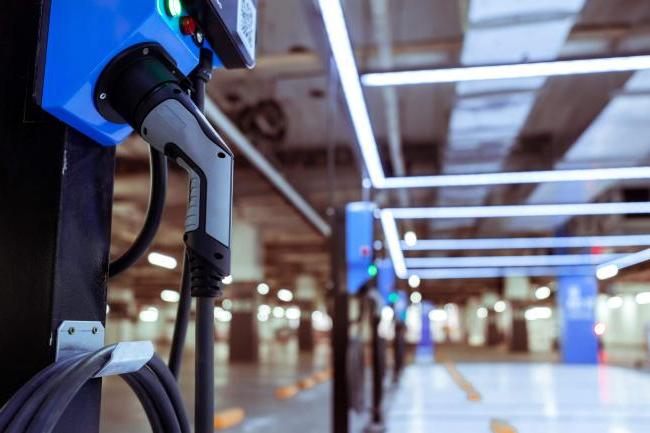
464 384
228 418
500 426
321 376
286 392
307 383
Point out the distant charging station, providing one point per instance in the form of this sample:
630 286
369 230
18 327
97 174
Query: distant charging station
359 232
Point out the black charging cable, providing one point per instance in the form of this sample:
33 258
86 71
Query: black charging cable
38 406
158 188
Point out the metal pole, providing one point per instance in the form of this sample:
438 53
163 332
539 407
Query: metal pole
377 376
204 362
55 222
341 327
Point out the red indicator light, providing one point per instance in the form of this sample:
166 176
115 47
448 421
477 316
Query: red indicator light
188 26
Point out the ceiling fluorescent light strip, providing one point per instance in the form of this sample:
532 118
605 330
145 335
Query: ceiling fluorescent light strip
512 178
341 48
509 261
532 210
527 243
391 237
511 71
628 260
472 273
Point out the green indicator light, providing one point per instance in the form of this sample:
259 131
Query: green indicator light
174 8
372 270
393 298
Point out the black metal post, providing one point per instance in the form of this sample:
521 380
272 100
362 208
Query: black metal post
377 418
56 188
204 363
341 327
398 350
182 321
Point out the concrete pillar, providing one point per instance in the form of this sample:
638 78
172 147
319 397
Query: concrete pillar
243 339
577 306
247 272
306 289
305 329
492 335
247 257
518 291
519 332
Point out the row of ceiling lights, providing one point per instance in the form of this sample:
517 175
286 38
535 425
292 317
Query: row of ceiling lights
343 55
344 59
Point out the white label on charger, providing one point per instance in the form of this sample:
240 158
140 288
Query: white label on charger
247 25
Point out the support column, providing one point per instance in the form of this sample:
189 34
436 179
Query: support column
306 288
519 332
517 290
305 329
577 306
492 336
247 264
243 340
56 187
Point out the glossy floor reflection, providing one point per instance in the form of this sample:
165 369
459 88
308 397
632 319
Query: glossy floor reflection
248 386
531 398
530 393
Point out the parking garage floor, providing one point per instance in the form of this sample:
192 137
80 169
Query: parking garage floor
521 397
251 387
502 393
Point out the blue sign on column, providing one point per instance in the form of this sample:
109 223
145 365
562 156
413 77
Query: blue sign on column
425 350
359 232
577 305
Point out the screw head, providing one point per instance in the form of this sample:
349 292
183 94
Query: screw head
71 331
95 330
103 96
145 51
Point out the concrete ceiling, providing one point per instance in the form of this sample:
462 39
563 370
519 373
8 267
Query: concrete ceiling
512 125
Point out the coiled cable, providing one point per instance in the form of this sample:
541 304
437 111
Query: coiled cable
38 406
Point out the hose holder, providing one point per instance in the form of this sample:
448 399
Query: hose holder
75 337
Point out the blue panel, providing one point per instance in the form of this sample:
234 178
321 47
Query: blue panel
359 230
385 278
577 305
84 35
425 349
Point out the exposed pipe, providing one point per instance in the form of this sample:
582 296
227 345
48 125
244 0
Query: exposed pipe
223 123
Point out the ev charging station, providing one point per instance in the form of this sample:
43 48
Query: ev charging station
362 287
84 76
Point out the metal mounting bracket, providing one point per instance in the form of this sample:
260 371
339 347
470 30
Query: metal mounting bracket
75 337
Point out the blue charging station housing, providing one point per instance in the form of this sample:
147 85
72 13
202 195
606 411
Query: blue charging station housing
359 233
82 36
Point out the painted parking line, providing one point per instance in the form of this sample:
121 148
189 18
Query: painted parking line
304 384
228 418
500 426
286 392
464 384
